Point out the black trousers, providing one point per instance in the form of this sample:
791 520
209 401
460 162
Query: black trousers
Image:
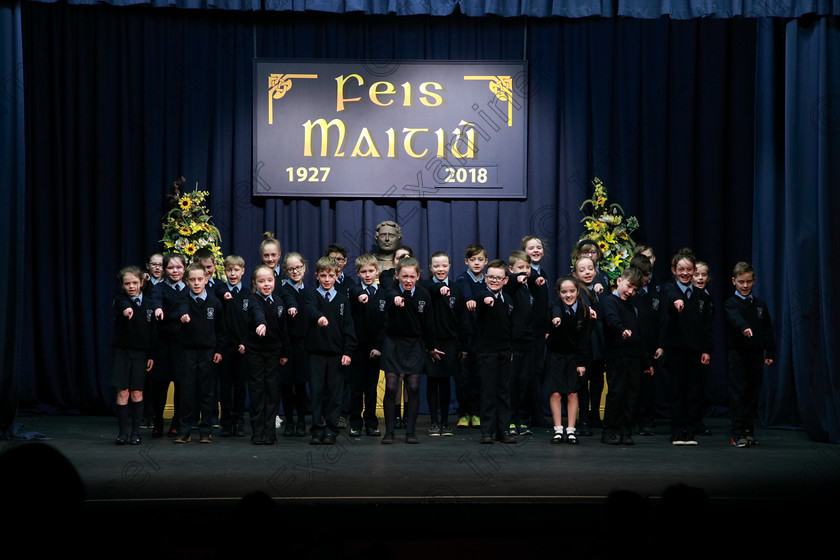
746 368
326 385
197 395
263 391
523 384
624 377
364 378
685 382
233 383
468 386
494 370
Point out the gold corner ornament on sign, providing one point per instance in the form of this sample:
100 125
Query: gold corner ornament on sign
278 86
502 88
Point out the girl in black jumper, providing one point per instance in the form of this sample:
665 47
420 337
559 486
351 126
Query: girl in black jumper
409 338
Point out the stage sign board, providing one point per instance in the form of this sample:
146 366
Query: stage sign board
439 130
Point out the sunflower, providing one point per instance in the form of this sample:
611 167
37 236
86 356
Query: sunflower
185 203
190 249
185 231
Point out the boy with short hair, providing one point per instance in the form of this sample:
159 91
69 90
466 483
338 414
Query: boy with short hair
467 381
752 346
367 304
494 351
204 257
232 370
202 336
523 380
626 356
330 343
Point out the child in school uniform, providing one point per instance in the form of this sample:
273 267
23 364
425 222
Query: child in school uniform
449 312
687 341
330 342
539 287
568 344
154 271
494 351
627 358
151 277
388 282
339 253
587 248
295 373
752 346
592 383
202 338
170 302
205 258
522 379
700 280
271 253
467 382
367 305
134 335
409 342
233 370
265 352
647 301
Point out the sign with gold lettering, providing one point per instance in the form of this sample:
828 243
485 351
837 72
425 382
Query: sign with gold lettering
412 129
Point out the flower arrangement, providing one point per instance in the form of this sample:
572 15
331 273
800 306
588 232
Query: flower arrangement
188 226
606 226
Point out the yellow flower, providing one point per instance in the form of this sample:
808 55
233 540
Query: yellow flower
185 203
603 245
609 238
601 201
190 249
185 231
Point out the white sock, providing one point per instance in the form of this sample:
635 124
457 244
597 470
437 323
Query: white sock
558 429
570 430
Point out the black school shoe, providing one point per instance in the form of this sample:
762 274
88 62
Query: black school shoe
387 439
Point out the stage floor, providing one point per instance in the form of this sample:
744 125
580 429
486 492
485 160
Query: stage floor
407 498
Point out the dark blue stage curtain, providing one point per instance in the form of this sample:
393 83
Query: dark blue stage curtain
675 9
12 192
796 203
120 101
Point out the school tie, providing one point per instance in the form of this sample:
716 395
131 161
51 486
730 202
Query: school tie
569 311
136 301
688 293
236 290
327 297
749 300
371 291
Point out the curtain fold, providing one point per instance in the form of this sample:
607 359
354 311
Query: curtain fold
12 192
797 173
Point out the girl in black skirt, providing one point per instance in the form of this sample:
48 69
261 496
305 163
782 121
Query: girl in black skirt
568 345
409 342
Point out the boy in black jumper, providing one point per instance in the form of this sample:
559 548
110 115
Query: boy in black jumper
648 303
233 371
367 304
449 313
134 336
330 343
751 347
523 377
202 336
494 351
467 382
626 356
